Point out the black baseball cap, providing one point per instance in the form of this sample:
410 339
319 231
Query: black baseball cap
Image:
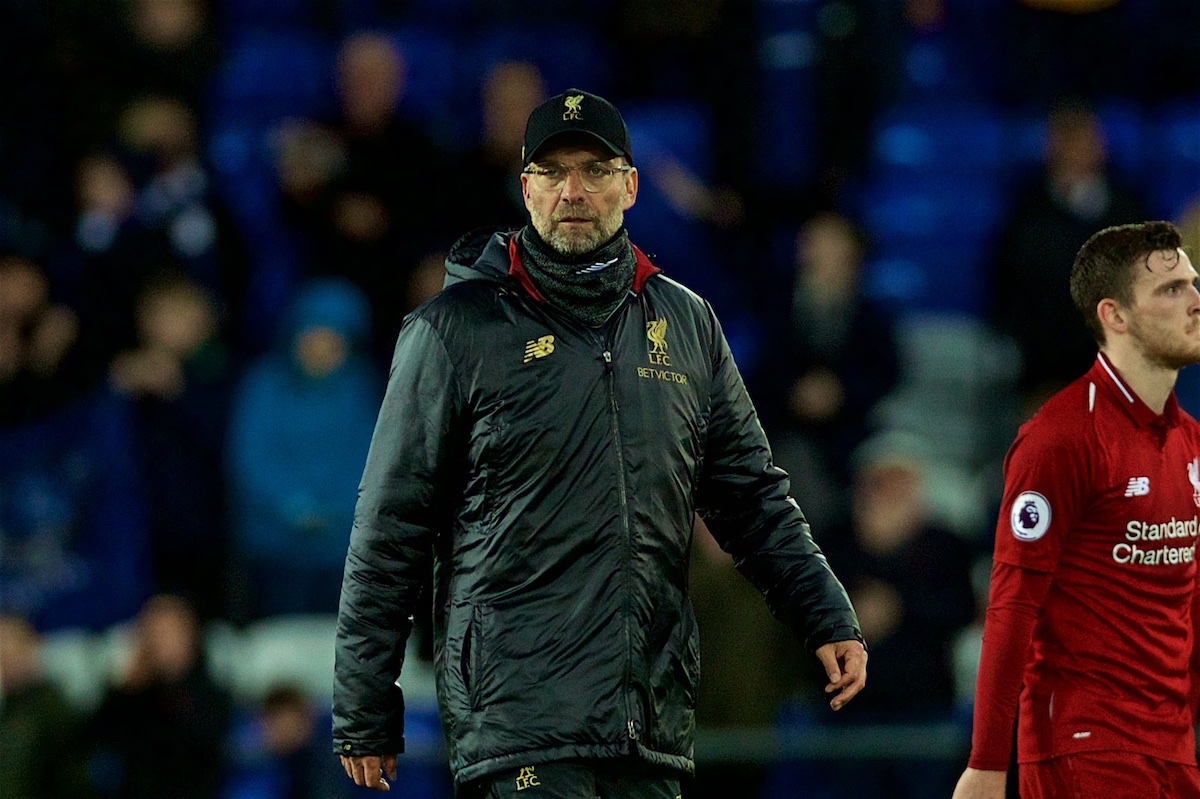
576 111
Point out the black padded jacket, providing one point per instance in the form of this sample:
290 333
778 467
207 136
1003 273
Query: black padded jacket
552 471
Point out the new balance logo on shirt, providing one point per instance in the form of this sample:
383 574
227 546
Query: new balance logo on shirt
1138 487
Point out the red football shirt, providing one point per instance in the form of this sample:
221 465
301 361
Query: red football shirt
1103 496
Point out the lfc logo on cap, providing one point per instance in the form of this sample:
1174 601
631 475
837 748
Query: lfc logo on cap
572 104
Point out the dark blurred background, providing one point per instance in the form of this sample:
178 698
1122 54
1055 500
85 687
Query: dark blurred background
214 216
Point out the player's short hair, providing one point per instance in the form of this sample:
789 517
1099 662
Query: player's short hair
1104 266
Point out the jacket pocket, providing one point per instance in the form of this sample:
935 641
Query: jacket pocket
691 668
471 656
454 665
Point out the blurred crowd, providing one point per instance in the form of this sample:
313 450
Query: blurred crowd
215 215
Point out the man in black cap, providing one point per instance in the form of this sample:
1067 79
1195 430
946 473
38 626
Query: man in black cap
554 422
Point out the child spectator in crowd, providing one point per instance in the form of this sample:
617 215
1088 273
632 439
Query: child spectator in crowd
301 423
282 751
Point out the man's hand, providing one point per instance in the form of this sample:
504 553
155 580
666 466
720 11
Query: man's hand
845 664
368 771
978 784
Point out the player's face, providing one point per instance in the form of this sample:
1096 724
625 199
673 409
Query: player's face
1165 316
570 218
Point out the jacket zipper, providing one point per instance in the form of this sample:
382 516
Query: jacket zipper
631 725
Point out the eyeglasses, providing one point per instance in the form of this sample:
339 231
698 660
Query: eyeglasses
594 176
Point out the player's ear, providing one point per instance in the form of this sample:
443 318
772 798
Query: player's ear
1112 315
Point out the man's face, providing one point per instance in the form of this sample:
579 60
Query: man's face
569 218
1164 318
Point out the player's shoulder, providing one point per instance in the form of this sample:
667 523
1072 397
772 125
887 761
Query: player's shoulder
1072 411
467 303
662 289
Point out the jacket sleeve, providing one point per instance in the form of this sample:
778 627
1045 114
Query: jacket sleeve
405 500
743 498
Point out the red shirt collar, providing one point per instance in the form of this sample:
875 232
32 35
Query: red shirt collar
642 271
1105 374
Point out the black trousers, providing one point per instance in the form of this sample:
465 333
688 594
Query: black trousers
604 778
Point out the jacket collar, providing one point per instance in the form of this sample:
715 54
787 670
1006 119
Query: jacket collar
643 272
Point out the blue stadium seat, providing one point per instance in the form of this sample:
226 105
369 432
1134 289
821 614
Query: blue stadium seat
785 154
1173 163
241 156
1125 130
566 56
242 162
665 132
951 138
943 276
963 60
431 55
661 133
271 74
1025 140
931 233
931 205
933 199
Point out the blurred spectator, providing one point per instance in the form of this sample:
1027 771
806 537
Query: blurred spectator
837 360
346 184
386 153
38 345
102 53
426 280
160 731
283 751
143 206
861 66
492 169
166 46
72 526
176 199
171 48
1050 220
101 271
43 751
179 379
300 427
310 158
910 584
